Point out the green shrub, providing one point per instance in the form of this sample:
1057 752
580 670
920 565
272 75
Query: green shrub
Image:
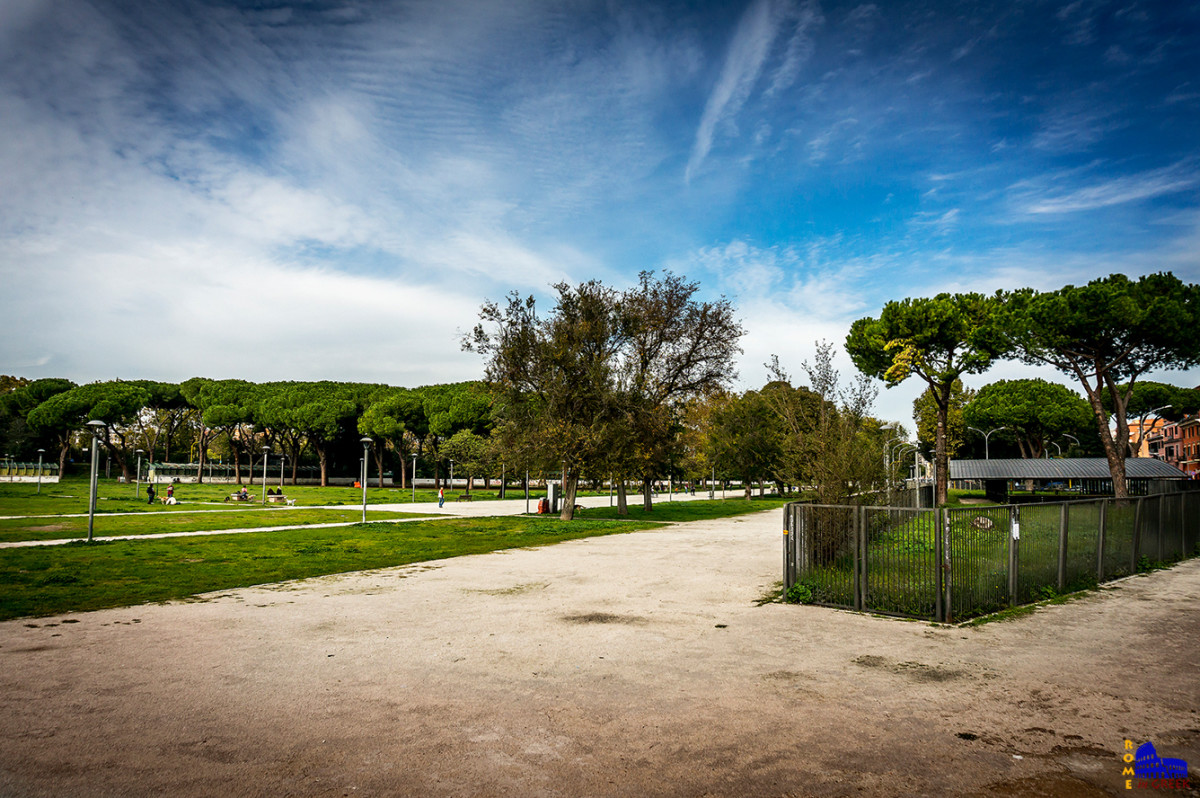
799 593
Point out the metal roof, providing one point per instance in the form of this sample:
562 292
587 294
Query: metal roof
1062 468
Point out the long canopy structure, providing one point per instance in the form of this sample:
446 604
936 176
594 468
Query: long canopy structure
1086 475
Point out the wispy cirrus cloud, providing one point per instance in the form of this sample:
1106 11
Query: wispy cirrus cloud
1116 191
753 41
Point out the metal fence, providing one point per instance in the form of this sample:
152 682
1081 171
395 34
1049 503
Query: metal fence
954 564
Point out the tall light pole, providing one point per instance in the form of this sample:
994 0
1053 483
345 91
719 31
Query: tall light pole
366 442
266 451
451 476
282 459
986 453
137 477
414 477
40 453
1072 437
96 427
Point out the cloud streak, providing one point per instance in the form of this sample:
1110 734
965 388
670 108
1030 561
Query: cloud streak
753 40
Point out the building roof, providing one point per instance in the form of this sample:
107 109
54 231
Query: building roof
1061 468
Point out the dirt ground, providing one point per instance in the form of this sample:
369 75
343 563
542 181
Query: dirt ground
628 665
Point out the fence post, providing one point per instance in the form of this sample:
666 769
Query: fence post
939 611
943 516
1014 534
1100 541
856 576
863 555
1062 546
1137 535
787 549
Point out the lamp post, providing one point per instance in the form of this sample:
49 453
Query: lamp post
414 478
266 451
96 427
903 448
986 453
137 477
40 453
712 484
8 466
451 476
282 458
366 442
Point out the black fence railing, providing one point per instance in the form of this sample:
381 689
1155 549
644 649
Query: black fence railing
954 564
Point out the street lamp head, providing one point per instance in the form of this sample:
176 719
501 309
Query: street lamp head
366 441
139 451
96 426
266 449
41 451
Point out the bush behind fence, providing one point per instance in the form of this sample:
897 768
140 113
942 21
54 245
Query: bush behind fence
954 564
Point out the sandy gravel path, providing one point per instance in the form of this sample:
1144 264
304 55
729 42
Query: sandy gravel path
628 665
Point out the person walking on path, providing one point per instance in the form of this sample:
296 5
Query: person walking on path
441 497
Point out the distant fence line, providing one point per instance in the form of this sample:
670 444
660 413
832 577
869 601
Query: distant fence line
957 563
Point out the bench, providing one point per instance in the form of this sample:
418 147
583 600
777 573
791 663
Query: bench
464 497
238 497
277 499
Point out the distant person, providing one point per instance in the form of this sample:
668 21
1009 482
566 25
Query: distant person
243 494
171 492
441 497
149 494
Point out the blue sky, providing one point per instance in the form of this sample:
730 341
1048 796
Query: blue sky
330 190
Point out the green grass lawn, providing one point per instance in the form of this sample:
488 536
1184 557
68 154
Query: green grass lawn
76 577
692 510
52 528
70 496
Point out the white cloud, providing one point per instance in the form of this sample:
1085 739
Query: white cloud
1117 191
757 31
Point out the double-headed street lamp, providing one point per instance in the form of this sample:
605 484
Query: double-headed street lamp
986 453
97 427
266 451
366 442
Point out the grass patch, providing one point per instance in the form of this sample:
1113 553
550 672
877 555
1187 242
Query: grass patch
154 523
79 577
1024 610
681 511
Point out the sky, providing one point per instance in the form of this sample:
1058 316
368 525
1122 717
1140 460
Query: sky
330 190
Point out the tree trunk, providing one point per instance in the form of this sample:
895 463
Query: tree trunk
237 461
324 465
570 488
64 448
201 451
379 463
622 499
647 498
941 459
